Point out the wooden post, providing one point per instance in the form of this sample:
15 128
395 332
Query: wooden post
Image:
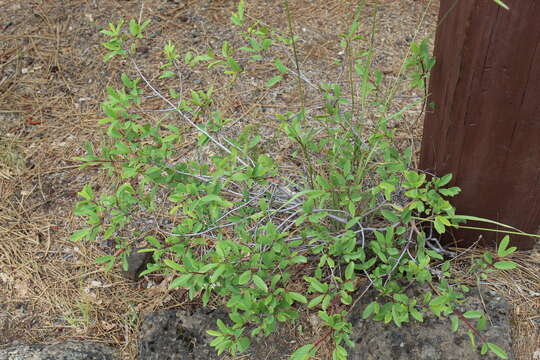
485 126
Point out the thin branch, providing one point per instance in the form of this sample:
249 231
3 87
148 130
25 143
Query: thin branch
224 148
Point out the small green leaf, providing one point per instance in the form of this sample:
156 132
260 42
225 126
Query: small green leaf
103 259
370 309
213 333
317 285
79 234
279 65
444 180
472 314
455 323
503 245
298 297
501 4
497 351
133 27
260 283
206 268
439 226
417 315
244 278
167 74
173 265
86 192
217 273
349 271
484 349
303 353
274 80
128 172
390 216
453 191
298 260
181 281
315 301
339 353
502 250
505 265
243 343
471 339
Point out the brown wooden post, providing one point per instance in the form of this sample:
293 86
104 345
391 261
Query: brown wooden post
485 127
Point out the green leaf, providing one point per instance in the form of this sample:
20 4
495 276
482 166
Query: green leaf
444 180
453 191
279 65
128 172
417 315
216 198
206 268
497 351
349 271
504 6
243 343
439 226
244 278
315 301
213 333
370 309
303 353
438 301
133 27
174 265
443 220
484 349
455 323
390 216
326 301
274 80
206 296
339 353
298 297
154 242
298 259
217 273
472 314
79 234
181 281
434 254
502 250
221 325
260 283
144 25
481 323
103 259
86 192
503 245
505 265
317 285
126 81
471 339
167 74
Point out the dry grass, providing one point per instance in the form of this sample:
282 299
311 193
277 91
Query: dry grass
52 80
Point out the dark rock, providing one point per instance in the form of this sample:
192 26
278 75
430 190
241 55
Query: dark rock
432 339
71 350
137 262
180 334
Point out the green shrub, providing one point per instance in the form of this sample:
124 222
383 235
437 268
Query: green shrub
246 230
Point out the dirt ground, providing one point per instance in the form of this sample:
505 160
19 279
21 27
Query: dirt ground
52 80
